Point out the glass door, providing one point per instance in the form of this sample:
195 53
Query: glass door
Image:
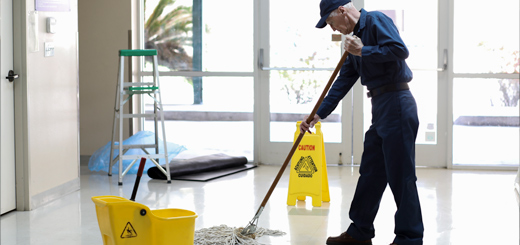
424 35
295 62
206 69
485 98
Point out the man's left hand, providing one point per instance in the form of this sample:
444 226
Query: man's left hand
353 45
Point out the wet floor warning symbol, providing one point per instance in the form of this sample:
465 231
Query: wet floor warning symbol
305 167
129 231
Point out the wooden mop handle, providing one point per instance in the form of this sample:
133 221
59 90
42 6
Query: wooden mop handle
309 119
138 178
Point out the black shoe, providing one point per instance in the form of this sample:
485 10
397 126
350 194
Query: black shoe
346 239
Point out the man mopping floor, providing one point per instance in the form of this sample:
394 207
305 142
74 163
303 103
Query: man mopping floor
377 55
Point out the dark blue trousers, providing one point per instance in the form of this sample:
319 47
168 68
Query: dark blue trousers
389 158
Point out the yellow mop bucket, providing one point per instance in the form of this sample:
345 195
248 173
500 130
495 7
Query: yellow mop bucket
122 221
125 222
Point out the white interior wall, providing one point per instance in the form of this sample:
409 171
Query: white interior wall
103 31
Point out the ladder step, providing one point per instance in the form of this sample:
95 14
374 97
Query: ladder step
137 84
140 92
142 88
137 52
135 146
124 157
136 115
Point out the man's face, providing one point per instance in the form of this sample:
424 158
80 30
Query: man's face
339 22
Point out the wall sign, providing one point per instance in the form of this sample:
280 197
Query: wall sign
53 5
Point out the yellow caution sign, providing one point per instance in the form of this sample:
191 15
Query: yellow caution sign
308 176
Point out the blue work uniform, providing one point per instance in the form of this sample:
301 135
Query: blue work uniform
389 147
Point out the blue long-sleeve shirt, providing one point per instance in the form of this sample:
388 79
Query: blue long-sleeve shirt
382 60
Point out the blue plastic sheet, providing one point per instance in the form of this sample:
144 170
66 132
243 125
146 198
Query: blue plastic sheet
99 160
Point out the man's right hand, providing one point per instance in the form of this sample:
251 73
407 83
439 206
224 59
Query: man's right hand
305 127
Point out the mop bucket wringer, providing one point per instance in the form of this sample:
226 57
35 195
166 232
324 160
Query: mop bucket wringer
122 221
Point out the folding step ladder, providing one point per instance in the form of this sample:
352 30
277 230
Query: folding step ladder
134 88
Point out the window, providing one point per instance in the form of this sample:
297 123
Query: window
205 53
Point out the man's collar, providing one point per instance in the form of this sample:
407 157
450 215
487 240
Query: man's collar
362 20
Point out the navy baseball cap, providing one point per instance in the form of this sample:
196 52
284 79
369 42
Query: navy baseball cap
326 7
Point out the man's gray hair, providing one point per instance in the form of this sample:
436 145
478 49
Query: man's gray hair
336 11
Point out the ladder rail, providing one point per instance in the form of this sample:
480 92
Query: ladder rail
120 111
156 74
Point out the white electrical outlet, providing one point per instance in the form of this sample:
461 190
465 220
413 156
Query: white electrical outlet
49 49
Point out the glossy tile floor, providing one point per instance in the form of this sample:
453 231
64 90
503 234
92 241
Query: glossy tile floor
459 207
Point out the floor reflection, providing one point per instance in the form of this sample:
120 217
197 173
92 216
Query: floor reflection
459 207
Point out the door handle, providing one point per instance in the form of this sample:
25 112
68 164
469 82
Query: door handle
445 60
11 76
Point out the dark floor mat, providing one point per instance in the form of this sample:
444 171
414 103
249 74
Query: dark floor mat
202 168
206 176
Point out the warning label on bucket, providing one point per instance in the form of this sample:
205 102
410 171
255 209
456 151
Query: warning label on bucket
305 167
129 231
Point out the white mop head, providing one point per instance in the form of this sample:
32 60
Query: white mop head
224 235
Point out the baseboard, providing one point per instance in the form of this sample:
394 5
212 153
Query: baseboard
83 160
55 193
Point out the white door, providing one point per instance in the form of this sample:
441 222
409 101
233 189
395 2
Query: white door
7 163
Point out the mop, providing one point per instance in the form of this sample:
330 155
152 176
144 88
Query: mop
225 235
233 236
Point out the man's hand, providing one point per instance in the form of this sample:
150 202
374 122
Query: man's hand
305 127
353 45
